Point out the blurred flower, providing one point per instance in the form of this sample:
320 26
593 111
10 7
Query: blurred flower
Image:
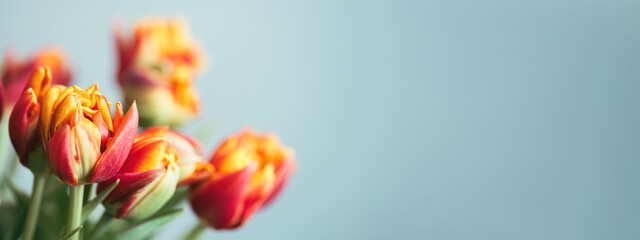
251 170
82 142
16 72
189 154
148 179
156 68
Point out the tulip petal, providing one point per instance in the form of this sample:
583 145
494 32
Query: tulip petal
118 147
104 130
283 174
202 171
40 80
125 194
219 201
22 124
154 132
60 156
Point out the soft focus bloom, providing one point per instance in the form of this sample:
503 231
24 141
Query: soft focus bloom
157 66
189 154
16 72
148 179
250 171
82 141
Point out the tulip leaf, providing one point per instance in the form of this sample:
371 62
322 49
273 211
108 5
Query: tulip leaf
89 206
70 234
53 211
11 219
142 230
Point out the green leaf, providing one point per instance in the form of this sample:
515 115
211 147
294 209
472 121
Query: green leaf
146 228
11 220
70 234
53 211
91 205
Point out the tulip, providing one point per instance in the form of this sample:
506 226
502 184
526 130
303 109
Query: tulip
82 141
74 129
189 155
148 179
23 122
250 171
156 68
17 72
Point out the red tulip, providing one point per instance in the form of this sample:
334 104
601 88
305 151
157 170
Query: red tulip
17 72
82 141
148 179
157 68
250 171
189 155
23 122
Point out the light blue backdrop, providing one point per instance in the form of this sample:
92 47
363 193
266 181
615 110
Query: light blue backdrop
411 119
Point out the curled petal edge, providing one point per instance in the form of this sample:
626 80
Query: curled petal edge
118 147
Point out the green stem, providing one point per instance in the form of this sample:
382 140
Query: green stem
4 134
196 231
39 181
89 192
75 209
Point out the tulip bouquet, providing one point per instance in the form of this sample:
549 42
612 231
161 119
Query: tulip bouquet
85 152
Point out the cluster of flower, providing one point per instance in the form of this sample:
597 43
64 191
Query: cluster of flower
71 133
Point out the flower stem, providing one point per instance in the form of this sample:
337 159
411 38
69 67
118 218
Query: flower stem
75 209
39 182
196 231
4 134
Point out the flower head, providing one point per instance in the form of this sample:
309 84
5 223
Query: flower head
83 143
16 72
250 171
157 67
189 154
148 179
23 121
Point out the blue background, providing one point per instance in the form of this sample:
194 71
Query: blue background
410 119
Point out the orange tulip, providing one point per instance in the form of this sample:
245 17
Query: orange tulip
189 154
250 171
148 179
16 72
82 141
157 68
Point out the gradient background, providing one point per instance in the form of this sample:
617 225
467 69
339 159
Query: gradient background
411 119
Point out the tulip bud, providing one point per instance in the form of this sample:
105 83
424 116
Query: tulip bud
148 179
250 172
157 66
189 155
23 122
16 72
